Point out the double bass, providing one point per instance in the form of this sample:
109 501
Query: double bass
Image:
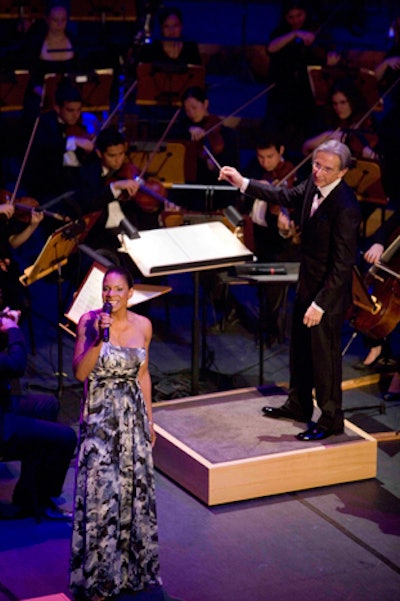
376 298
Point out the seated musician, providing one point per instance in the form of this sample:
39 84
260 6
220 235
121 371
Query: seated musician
388 73
274 231
49 47
293 46
30 433
171 48
345 110
13 234
268 221
379 349
60 146
205 129
108 185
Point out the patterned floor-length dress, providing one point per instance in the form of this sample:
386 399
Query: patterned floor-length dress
114 538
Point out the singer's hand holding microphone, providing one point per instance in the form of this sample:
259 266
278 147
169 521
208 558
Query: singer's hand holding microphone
105 322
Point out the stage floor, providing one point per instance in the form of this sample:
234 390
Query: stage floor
221 448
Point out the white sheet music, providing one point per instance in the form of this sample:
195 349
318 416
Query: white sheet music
89 295
185 248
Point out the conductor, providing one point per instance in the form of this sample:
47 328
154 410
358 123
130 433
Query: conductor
329 223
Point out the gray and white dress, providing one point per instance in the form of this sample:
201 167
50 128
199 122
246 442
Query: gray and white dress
114 543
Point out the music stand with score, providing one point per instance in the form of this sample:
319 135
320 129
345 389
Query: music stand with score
96 10
162 84
89 296
94 87
189 248
13 85
53 257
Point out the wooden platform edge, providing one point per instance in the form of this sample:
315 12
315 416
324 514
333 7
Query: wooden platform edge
254 477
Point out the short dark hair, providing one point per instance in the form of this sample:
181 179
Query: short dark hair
66 92
269 140
167 12
109 136
123 272
196 92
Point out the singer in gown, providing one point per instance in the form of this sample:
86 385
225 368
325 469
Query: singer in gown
114 545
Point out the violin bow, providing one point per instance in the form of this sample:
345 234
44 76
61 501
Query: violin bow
243 106
119 104
157 146
355 126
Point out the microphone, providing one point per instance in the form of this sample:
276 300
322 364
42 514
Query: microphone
106 332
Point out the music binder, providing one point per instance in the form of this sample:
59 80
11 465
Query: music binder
89 295
185 248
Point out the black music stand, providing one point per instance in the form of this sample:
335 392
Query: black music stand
94 87
55 253
12 89
89 295
102 10
164 84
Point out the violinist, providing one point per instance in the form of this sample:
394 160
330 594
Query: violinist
60 146
272 228
14 234
269 223
205 129
344 111
108 184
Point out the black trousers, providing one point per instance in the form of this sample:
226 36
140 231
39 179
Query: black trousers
45 449
316 361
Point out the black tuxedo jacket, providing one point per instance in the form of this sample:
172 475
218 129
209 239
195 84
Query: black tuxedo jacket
329 240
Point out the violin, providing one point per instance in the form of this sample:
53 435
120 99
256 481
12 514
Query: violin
150 197
25 205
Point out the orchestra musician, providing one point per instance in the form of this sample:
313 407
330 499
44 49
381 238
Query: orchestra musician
172 48
203 128
344 111
379 349
272 228
49 47
291 48
112 185
61 144
13 234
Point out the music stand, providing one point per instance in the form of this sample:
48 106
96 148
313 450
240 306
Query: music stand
164 84
174 161
104 10
53 256
89 296
94 87
323 78
191 248
12 89
20 9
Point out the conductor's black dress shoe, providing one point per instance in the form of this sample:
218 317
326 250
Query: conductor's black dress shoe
316 433
282 412
391 396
